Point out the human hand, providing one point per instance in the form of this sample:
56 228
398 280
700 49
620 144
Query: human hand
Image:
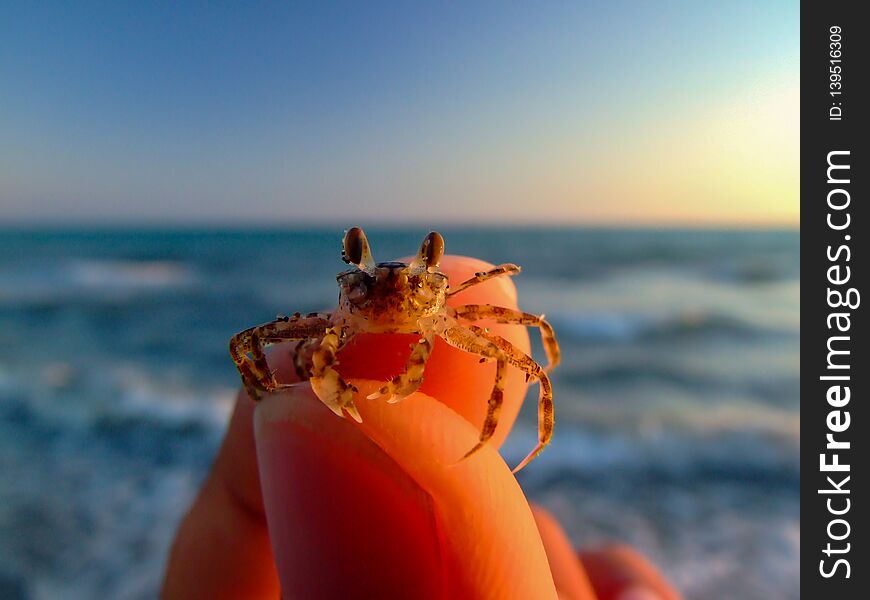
384 506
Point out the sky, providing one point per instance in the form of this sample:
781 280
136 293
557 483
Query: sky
572 113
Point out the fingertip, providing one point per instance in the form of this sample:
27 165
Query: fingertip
499 290
571 580
619 572
384 497
639 593
344 519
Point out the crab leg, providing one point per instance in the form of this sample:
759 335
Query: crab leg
406 383
524 362
247 348
326 381
505 269
254 371
500 314
471 341
493 407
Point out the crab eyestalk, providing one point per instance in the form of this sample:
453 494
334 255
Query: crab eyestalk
430 254
356 250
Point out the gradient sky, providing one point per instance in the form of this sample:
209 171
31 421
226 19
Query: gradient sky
634 113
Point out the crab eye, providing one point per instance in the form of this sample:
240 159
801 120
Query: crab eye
356 250
353 245
432 249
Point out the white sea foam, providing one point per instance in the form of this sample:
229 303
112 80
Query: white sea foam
128 274
42 281
144 397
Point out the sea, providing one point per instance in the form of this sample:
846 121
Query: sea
678 405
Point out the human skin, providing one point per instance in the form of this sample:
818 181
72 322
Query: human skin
384 505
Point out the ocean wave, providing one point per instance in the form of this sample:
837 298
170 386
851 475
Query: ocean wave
668 377
665 302
680 457
129 274
121 395
77 278
154 404
623 327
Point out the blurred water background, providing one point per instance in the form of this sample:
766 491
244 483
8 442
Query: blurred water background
678 400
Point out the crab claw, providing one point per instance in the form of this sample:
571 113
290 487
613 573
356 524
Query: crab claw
394 393
383 391
333 406
334 400
351 409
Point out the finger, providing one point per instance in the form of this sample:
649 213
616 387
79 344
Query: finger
571 580
382 508
618 572
615 572
222 548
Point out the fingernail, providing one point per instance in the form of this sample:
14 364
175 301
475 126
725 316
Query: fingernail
639 593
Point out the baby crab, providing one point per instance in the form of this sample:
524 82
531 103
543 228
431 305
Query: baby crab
393 297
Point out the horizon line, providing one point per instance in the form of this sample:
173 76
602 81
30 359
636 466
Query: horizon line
382 225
